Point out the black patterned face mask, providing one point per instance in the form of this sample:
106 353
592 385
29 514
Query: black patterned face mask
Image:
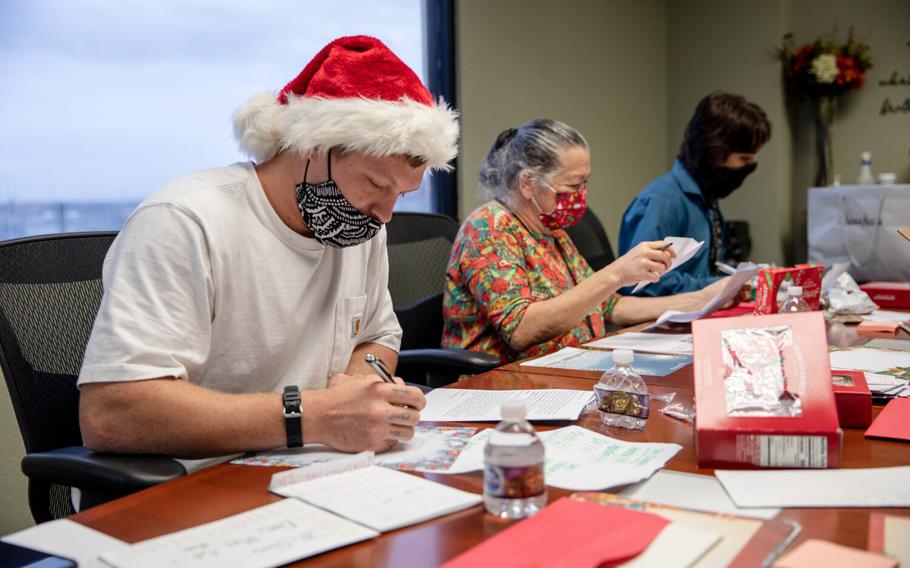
331 217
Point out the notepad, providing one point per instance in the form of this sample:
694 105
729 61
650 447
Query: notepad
377 497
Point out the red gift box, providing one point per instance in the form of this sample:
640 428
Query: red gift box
888 294
770 280
763 392
853 398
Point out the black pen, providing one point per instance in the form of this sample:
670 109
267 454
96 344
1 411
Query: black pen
380 368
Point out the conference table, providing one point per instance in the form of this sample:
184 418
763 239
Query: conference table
227 489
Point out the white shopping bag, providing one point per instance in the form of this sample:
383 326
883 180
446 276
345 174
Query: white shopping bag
858 224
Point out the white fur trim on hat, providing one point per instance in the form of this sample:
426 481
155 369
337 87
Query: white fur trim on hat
264 126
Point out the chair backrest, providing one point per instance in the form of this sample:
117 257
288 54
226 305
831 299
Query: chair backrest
419 248
592 242
50 290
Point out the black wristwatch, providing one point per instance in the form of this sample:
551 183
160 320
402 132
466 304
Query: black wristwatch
293 416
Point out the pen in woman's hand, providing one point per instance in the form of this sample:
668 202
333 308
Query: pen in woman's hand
378 366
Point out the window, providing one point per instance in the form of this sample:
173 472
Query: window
103 101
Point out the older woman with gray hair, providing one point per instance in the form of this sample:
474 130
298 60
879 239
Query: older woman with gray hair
517 285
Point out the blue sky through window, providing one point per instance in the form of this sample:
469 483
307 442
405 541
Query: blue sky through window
103 101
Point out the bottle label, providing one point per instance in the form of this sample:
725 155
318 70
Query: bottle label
623 402
513 482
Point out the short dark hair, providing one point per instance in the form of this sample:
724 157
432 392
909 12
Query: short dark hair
723 123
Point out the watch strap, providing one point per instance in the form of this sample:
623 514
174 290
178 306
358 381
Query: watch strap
293 416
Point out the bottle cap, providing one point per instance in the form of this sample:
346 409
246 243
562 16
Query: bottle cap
623 356
795 291
887 178
513 410
866 156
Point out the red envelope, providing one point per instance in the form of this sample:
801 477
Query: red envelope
567 533
893 421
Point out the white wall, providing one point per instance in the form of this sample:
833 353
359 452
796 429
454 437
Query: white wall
599 66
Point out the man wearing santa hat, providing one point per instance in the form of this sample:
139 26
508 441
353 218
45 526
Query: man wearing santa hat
239 302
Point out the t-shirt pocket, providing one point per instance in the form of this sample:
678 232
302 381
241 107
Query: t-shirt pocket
348 325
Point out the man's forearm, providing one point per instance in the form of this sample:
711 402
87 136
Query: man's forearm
358 366
172 417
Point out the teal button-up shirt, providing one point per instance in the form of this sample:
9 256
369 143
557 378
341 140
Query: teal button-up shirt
673 206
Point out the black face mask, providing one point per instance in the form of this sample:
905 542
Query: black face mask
331 217
718 183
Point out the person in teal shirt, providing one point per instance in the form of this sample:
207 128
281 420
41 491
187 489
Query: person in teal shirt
719 149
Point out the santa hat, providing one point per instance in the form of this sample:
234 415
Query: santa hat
355 94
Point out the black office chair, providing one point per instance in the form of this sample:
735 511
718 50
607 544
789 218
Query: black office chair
419 248
591 240
50 290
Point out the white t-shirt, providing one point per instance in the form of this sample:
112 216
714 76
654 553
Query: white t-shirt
206 283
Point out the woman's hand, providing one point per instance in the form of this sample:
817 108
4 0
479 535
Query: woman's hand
645 262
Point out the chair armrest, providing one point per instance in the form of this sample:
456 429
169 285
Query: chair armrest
88 470
461 361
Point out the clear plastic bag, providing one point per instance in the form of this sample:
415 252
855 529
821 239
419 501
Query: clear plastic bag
679 411
758 363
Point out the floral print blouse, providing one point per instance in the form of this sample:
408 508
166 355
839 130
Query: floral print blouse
497 269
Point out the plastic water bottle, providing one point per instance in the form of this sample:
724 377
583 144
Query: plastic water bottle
513 475
865 170
794 301
622 395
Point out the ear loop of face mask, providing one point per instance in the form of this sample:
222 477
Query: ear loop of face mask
328 160
534 201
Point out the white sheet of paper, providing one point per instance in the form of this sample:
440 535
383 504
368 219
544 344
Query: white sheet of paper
866 487
468 405
684 247
651 364
744 272
886 316
69 539
691 491
881 361
579 459
271 535
677 546
663 343
381 498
